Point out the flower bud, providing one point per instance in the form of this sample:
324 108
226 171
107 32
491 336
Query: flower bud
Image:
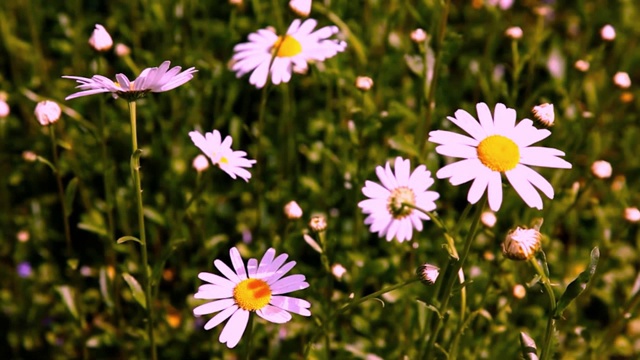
544 113
200 163
514 32
48 112
122 50
338 271
521 244
488 218
100 39
364 83
622 80
418 35
632 214
428 273
608 33
29 156
519 291
4 108
292 210
318 223
582 65
300 7
601 169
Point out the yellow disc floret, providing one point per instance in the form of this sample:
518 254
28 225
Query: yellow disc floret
252 294
287 46
499 153
399 196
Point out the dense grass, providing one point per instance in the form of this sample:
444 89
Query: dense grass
320 139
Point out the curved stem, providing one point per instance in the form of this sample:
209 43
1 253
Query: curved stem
546 346
135 171
67 228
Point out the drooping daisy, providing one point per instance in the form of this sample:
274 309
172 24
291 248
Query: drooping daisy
156 79
388 216
258 288
299 46
230 161
497 145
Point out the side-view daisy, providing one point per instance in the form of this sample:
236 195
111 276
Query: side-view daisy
220 152
257 288
388 214
497 145
299 46
156 79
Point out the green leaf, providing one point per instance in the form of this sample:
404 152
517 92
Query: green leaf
104 287
69 196
399 143
135 162
136 289
577 286
154 216
126 238
66 293
528 347
93 228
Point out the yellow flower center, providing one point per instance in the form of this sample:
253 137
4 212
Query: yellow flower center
499 153
224 160
395 202
252 294
287 46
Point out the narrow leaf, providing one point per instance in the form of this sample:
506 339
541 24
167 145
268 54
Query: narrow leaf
577 286
126 238
66 292
401 144
104 287
93 228
69 196
136 289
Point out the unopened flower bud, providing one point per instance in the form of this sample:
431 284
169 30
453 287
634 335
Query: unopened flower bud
4 108
48 112
338 271
608 33
100 39
428 273
29 156
488 218
418 35
122 50
514 32
582 65
364 83
622 80
544 113
23 236
200 163
601 169
292 210
521 244
318 223
519 291
632 214
300 7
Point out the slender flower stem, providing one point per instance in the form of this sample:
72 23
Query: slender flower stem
453 268
259 180
250 335
548 336
135 171
355 303
56 163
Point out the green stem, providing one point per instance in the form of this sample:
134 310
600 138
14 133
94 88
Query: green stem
618 324
548 337
135 164
355 303
250 336
56 163
453 268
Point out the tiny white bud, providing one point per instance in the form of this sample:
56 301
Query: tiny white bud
4 109
48 112
622 80
582 65
519 291
100 39
23 236
338 271
300 7
122 50
292 210
608 33
601 169
632 214
364 83
418 35
514 32
488 218
29 156
200 163
544 113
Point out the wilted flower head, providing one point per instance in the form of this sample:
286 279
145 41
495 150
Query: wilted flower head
622 80
300 7
544 113
318 223
48 112
292 210
200 163
428 273
521 243
582 65
100 39
608 33
156 79
364 83
418 35
632 214
514 32
601 169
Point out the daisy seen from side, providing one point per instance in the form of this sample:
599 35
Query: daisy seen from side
387 213
497 145
292 51
155 79
257 288
220 153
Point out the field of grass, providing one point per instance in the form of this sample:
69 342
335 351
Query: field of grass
107 229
